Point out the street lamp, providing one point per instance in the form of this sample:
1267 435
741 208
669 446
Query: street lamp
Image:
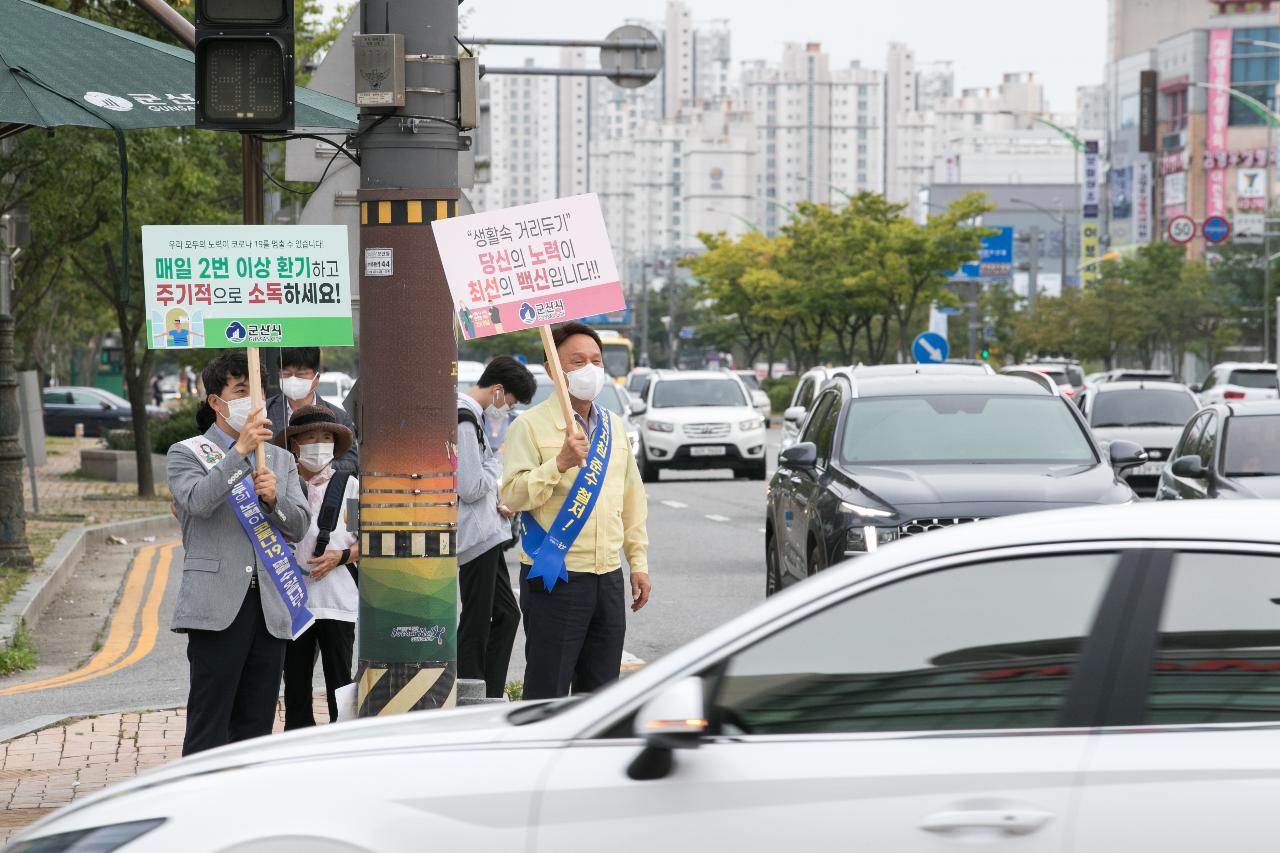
1061 220
742 219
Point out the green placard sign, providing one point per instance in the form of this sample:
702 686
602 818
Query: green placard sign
220 286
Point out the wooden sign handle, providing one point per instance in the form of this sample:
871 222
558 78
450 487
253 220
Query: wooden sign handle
557 377
255 397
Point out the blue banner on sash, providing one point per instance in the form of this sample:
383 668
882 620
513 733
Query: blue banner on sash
549 549
274 553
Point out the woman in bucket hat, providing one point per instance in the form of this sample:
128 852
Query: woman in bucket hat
328 554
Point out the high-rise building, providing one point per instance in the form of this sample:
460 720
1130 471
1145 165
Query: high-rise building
818 130
1134 26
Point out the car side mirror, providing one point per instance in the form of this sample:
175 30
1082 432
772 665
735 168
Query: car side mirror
639 407
1190 467
802 455
794 415
1126 454
673 719
105 406
1197 388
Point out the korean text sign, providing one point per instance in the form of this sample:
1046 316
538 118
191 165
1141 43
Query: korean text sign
529 266
246 285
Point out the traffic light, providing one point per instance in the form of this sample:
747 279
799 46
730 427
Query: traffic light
985 351
244 65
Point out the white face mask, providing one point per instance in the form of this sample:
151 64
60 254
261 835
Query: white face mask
314 457
586 382
238 412
493 410
296 388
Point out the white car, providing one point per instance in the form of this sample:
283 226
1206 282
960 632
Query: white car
698 419
759 397
334 387
1151 414
1093 680
801 402
1238 382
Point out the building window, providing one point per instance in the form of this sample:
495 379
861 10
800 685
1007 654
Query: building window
1255 70
1177 110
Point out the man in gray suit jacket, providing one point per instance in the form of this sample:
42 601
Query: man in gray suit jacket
235 620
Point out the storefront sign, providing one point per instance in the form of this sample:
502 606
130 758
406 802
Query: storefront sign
1142 202
1218 115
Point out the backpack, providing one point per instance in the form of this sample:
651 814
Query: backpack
465 415
330 512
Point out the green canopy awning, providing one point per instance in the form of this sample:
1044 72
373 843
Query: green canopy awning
59 69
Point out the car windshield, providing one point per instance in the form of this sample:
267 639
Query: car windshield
963 428
1142 407
327 388
1253 378
1059 377
1251 448
617 360
118 402
679 393
636 382
751 381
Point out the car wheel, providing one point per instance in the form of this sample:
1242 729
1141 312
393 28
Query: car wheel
772 567
648 471
816 561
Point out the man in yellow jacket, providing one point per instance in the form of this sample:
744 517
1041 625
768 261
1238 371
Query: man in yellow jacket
581 502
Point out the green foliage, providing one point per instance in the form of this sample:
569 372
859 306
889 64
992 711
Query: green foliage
780 391
19 654
179 426
514 690
119 439
847 284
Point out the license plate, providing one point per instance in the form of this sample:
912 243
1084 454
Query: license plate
706 451
1149 469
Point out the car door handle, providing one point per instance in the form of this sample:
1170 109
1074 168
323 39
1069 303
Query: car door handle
1008 821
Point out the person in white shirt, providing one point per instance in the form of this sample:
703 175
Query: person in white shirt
316 438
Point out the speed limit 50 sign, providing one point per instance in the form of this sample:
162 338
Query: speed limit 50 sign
1182 229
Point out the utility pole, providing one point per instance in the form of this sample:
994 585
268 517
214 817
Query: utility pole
408 498
644 311
14 552
1033 272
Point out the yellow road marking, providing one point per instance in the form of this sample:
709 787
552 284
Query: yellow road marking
111 658
119 636
150 617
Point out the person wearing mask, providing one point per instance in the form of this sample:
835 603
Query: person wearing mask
327 555
582 502
241 597
300 369
490 616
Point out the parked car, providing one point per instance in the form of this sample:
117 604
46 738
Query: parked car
1150 414
99 411
612 397
334 387
1048 682
469 373
801 404
1228 450
759 397
1237 382
1055 373
889 458
699 420
1069 366
637 378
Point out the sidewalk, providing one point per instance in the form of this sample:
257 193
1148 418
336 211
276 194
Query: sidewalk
66 500
50 768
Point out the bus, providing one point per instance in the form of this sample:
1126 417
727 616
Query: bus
619 355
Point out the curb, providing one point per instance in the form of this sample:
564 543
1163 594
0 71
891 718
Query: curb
38 592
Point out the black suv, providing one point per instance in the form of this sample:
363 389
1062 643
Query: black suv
882 459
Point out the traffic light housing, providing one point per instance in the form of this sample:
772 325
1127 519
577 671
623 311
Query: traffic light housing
985 351
244 65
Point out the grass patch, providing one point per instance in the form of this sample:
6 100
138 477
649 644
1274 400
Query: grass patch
11 580
19 654
515 690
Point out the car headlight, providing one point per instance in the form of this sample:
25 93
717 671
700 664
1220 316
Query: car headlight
754 423
864 511
99 839
860 540
660 426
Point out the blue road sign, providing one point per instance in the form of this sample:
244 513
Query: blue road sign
1216 229
930 348
686 333
995 257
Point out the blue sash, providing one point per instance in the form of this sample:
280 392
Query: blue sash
274 553
548 550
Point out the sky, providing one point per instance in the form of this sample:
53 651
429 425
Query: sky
1062 41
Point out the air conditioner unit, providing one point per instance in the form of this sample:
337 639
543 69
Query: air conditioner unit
1174 141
